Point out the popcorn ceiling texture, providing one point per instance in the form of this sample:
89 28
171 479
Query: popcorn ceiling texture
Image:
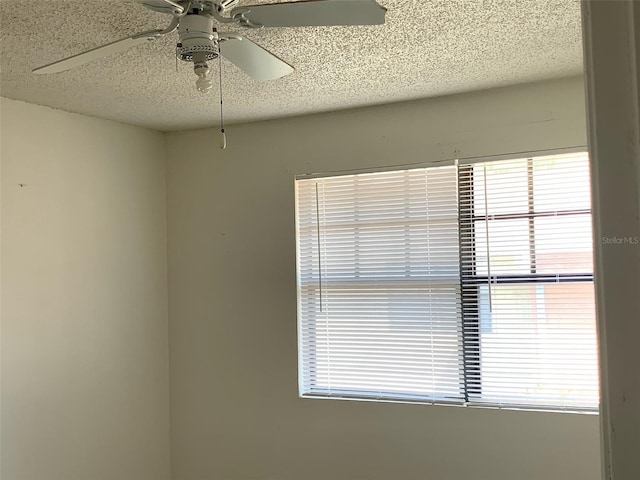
427 48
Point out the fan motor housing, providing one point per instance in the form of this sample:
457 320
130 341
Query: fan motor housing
197 36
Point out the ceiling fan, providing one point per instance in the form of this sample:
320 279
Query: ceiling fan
200 42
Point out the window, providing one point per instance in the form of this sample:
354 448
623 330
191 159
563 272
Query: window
467 284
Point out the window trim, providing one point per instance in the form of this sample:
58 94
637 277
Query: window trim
467 350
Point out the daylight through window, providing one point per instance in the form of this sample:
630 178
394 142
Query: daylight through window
468 284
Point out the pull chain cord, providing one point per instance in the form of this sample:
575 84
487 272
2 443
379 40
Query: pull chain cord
223 145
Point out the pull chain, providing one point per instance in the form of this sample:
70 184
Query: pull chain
223 145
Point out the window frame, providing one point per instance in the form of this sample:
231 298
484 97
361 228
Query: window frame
471 384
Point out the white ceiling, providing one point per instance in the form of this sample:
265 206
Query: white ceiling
426 48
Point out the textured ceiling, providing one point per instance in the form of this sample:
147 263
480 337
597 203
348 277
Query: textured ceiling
426 48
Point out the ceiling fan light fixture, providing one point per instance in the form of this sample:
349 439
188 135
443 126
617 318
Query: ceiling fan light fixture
198 44
197 36
189 53
204 83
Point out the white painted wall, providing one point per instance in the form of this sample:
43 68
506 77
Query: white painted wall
232 303
611 32
84 310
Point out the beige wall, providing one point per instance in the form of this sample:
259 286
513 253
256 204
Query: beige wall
611 32
84 312
232 303
84 327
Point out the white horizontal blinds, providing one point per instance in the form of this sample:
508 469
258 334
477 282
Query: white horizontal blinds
379 285
526 251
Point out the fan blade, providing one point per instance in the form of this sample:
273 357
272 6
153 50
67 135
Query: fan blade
162 6
250 57
99 52
312 13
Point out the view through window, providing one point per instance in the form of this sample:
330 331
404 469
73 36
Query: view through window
468 284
